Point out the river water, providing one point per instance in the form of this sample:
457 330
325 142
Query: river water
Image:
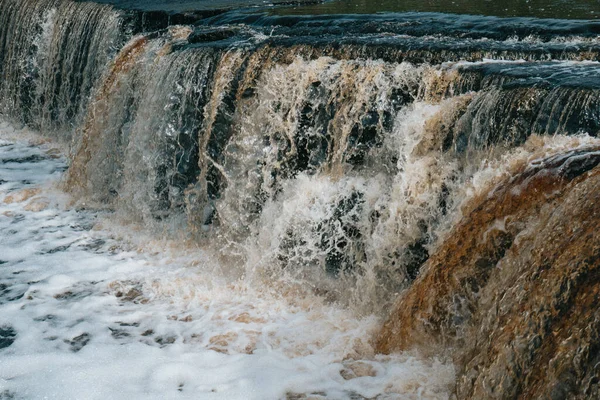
228 199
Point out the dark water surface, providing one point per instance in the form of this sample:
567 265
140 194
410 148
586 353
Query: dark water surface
199 5
571 9
563 9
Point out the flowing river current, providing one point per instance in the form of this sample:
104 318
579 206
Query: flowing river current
299 201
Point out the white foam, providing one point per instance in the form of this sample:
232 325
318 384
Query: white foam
95 320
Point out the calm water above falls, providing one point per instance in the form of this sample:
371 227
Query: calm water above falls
423 181
572 9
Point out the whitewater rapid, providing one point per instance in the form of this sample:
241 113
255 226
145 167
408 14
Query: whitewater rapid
92 310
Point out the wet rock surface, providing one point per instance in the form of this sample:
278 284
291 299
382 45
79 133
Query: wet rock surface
78 342
7 336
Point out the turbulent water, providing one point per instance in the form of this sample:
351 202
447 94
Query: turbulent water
347 163
87 314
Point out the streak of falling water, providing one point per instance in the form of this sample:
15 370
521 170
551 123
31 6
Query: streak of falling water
52 54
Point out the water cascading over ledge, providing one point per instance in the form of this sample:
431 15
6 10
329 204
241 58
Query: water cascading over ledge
362 156
53 53
512 293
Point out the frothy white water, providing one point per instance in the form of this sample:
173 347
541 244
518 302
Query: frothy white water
83 315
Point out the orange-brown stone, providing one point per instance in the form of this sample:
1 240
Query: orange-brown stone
512 293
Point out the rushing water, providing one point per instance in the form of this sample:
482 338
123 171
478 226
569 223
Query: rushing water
86 314
329 158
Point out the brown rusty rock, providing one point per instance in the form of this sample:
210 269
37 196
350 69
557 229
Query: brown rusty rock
512 293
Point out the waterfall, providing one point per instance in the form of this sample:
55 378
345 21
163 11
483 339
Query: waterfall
360 156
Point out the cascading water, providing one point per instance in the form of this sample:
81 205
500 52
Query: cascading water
52 53
351 158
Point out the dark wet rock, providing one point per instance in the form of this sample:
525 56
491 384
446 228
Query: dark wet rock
94 245
118 333
357 396
303 396
48 317
134 324
212 34
157 20
346 213
83 225
35 158
365 136
10 292
165 340
416 255
79 342
7 336
58 249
